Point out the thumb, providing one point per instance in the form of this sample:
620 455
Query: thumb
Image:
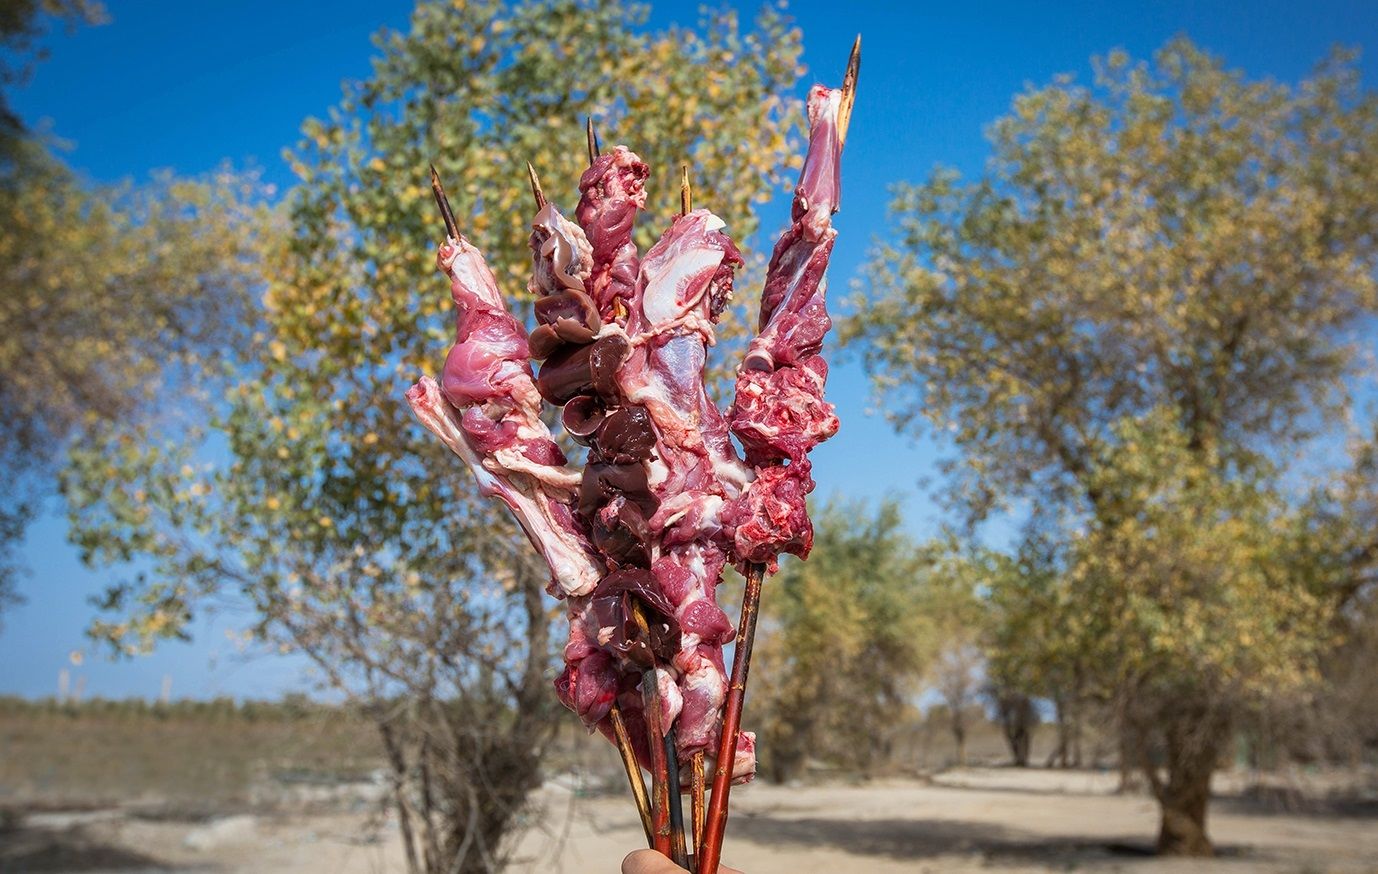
651 862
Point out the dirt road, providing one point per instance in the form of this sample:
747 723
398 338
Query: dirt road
968 821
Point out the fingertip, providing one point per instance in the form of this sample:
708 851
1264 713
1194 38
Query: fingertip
643 862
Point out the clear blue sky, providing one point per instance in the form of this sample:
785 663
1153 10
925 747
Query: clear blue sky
184 85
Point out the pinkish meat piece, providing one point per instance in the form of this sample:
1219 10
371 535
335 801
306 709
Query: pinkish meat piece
539 505
613 191
561 255
487 410
779 413
744 762
703 686
589 686
685 280
772 516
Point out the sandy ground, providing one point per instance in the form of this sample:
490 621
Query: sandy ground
973 820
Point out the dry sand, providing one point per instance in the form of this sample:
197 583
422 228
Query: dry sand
978 819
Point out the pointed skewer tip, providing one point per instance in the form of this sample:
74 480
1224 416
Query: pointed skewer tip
686 191
592 136
536 191
844 110
443 202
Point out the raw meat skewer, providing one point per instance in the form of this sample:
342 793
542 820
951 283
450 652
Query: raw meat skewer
782 365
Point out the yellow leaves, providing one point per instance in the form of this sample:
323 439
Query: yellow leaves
325 522
272 503
370 439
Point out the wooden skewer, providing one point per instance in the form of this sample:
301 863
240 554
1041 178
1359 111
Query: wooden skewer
451 226
592 137
634 776
716 817
536 191
678 854
660 769
844 109
696 790
696 784
686 191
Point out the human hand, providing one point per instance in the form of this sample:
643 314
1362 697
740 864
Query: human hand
651 862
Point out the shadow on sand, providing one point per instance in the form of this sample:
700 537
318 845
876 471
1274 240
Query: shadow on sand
44 851
908 839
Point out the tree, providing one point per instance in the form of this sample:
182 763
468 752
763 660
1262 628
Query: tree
844 642
312 494
1145 303
1031 650
22 24
954 605
956 676
106 292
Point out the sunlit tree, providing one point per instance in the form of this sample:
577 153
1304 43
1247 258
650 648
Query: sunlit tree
844 642
312 494
1152 295
106 291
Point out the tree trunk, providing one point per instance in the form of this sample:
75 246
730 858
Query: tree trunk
1058 758
1020 746
1074 721
1016 715
1182 831
959 734
397 762
1131 754
1192 752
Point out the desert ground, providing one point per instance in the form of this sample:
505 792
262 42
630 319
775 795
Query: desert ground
961 820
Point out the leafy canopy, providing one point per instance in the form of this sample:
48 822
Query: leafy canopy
846 636
313 492
1176 237
1151 299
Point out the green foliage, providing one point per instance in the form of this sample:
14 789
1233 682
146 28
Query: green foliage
1152 297
845 638
110 294
1177 237
105 291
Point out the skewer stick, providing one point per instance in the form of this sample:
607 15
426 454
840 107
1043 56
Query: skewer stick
678 853
686 191
716 818
696 789
660 777
638 782
696 785
451 226
844 109
592 137
536 191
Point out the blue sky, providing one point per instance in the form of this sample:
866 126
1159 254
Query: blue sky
186 85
